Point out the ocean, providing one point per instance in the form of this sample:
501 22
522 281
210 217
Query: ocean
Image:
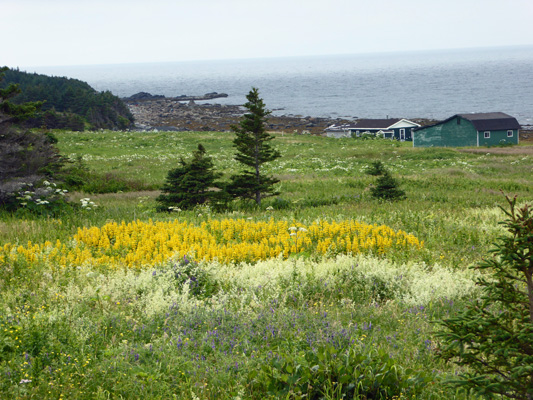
430 84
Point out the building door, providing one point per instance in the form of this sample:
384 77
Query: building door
402 134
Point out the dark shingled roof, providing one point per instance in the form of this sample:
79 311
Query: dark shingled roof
376 123
495 121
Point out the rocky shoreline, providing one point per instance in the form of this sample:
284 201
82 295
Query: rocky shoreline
183 113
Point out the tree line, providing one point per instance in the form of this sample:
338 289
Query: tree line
67 103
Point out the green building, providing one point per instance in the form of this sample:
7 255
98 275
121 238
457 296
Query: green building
479 129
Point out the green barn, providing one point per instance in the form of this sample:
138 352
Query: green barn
477 129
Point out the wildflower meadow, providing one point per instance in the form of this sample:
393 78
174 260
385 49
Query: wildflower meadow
323 292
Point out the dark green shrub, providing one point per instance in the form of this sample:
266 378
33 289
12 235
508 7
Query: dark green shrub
280 203
77 176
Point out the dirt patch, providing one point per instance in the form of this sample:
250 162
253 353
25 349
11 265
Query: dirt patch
511 150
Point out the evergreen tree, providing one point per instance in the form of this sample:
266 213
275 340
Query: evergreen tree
253 150
9 111
493 337
386 188
191 183
26 158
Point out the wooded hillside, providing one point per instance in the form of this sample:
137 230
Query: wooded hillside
68 103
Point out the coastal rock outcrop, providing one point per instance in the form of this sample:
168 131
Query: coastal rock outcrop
185 114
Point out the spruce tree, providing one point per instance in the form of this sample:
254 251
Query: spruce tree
493 337
191 183
10 112
253 151
387 188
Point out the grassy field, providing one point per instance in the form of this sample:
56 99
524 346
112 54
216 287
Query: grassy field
305 324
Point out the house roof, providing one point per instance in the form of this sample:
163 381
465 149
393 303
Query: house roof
493 121
376 123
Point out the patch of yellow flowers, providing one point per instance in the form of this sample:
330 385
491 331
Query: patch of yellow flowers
138 244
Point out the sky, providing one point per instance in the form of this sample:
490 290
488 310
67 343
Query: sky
85 32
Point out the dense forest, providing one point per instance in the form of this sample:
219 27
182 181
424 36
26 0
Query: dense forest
68 103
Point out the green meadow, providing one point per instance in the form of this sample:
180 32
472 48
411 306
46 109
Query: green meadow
339 326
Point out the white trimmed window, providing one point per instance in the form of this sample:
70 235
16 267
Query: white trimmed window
509 133
486 134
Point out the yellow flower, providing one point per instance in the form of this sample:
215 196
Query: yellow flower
139 244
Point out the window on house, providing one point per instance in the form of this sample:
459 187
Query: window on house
458 121
509 133
486 134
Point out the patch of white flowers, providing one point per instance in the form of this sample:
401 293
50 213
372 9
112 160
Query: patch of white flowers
411 284
40 196
87 204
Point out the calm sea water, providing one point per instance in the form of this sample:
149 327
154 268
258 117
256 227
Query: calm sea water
434 84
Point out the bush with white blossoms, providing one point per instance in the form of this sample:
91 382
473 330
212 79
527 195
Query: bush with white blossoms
41 199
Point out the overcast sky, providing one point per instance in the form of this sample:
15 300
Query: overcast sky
80 32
